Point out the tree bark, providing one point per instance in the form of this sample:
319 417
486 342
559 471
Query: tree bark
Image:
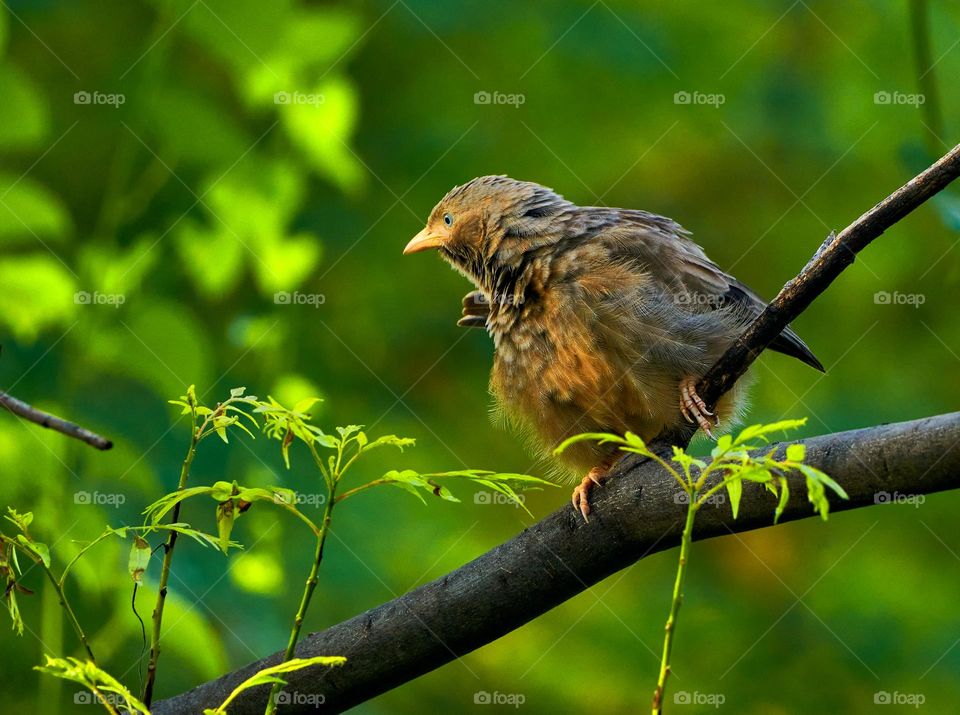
636 514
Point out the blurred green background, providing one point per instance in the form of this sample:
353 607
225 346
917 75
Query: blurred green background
190 159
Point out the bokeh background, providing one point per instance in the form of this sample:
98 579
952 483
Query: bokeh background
156 192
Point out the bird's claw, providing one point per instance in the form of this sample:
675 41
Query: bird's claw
581 494
693 408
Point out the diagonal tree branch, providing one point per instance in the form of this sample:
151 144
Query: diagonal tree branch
45 419
636 514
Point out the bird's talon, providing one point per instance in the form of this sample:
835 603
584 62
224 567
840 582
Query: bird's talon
581 494
692 404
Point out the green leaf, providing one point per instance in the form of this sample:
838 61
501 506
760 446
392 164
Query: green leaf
222 491
156 511
226 514
601 437
96 680
796 452
41 550
29 211
139 558
304 405
735 491
782 502
269 675
21 521
389 440
39 292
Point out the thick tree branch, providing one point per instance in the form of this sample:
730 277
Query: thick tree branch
635 515
44 419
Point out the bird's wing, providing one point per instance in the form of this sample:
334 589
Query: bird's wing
666 251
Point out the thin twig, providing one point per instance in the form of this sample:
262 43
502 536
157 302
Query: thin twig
45 419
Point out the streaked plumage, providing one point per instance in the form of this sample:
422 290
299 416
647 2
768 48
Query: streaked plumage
598 314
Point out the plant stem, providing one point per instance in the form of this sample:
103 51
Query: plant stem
305 599
165 573
685 541
71 616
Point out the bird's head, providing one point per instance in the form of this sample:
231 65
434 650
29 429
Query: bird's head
488 225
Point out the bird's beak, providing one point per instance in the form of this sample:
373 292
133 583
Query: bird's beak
423 241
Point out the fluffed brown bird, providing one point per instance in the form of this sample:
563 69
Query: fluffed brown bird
603 319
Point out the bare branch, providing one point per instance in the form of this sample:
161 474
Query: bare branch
45 419
830 260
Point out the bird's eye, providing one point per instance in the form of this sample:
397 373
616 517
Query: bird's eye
448 219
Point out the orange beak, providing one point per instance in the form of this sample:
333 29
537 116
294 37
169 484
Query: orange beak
423 241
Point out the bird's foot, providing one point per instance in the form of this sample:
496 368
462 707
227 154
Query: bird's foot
476 308
693 408
581 495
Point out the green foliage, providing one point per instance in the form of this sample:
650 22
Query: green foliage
100 683
270 675
733 461
247 414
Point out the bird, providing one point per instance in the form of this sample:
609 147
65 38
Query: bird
602 319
